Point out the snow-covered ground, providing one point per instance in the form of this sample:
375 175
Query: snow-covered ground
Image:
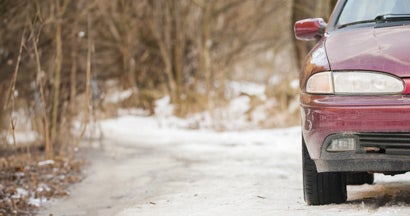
142 168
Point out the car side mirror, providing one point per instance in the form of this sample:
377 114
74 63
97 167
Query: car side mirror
310 29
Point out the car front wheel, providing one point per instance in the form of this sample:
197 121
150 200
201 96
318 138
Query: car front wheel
321 188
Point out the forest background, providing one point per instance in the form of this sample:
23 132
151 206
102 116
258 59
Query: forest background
60 59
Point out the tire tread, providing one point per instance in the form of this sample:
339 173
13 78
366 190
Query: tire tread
321 188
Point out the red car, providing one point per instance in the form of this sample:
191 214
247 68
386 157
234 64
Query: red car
355 97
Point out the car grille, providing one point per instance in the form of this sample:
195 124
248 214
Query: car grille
385 143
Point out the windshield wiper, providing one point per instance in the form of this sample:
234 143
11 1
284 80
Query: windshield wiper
392 18
355 23
381 19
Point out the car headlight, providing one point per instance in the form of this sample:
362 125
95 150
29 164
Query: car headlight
354 83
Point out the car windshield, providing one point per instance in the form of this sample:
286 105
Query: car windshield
362 11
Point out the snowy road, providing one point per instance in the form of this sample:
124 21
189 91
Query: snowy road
142 170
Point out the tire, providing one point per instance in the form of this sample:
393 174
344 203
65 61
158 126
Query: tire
360 178
321 188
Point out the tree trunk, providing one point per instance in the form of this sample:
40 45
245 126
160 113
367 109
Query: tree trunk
178 48
56 86
161 28
205 57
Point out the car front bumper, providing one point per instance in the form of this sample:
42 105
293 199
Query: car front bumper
386 119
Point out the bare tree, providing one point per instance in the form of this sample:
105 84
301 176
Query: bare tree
186 49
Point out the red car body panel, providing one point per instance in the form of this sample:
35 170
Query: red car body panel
376 49
365 49
326 115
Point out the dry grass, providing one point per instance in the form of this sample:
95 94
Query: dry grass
27 180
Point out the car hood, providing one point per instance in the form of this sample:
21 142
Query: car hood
377 49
